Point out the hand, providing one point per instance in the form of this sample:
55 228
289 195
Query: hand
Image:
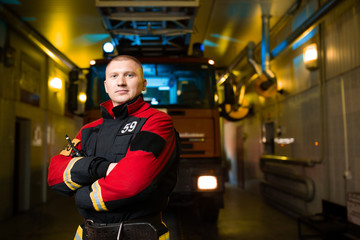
110 168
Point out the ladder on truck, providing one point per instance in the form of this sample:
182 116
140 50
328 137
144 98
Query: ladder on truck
149 28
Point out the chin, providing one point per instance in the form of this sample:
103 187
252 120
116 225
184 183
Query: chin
121 100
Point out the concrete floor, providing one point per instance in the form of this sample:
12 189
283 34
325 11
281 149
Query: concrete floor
245 217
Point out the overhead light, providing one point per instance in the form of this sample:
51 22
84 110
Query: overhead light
310 56
92 62
211 62
56 84
108 48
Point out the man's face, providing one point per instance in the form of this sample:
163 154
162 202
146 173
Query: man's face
123 81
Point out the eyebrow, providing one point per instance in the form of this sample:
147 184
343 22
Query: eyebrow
126 72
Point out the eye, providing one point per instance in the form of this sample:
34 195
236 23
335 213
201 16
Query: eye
129 75
113 75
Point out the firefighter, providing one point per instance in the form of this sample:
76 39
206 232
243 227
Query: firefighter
125 163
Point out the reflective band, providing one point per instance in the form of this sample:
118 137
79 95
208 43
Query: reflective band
67 175
96 197
165 236
79 233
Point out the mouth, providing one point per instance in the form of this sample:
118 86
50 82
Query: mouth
121 91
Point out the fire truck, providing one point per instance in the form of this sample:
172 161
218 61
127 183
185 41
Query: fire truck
184 88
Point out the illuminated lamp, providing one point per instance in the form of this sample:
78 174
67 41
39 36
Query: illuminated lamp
92 62
55 84
311 56
207 182
108 48
216 97
82 97
211 62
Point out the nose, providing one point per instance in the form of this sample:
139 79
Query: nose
121 81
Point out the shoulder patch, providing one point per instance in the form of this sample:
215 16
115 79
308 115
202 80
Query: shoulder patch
67 151
148 142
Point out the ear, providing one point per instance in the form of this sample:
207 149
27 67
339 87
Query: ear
144 84
105 87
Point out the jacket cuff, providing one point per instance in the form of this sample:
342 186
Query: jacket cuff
98 168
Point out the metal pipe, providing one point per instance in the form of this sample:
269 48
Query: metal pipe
265 43
265 53
226 74
243 52
288 191
310 188
251 59
307 196
312 20
281 205
289 13
282 46
238 59
286 160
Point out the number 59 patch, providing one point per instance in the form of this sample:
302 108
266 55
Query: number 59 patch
128 127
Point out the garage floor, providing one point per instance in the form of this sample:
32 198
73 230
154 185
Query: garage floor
245 217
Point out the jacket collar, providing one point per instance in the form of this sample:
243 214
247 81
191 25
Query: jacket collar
120 112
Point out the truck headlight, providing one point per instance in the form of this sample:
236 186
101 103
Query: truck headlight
207 182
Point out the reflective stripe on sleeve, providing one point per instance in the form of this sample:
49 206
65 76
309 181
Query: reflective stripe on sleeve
79 233
67 175
96 197
165 236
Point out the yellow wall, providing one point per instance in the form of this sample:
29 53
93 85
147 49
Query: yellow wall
49 122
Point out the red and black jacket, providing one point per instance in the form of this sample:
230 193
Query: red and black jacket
144 143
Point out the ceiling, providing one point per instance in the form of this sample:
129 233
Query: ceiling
76 28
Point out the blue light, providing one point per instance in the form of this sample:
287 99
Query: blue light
296 23
94 38
210 44
224 37
279 48
305 38
199 46
108 47
283 45
298 60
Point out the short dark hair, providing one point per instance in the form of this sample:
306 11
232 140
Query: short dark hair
127 57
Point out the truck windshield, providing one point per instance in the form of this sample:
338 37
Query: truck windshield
179 84
169 85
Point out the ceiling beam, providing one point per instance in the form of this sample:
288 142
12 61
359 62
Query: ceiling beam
143 3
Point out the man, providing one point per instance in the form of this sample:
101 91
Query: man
129 159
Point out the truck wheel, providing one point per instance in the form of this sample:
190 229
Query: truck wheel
208 211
